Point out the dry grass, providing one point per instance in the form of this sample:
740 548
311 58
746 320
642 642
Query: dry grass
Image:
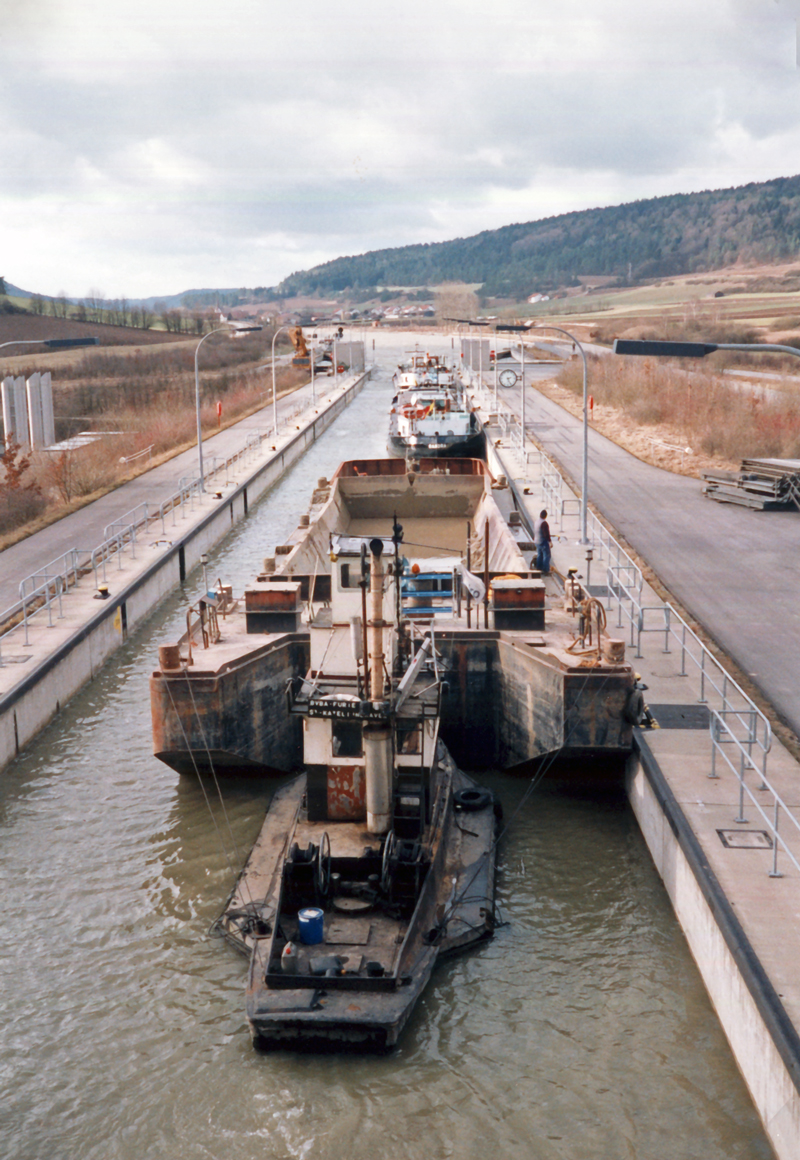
154 409
711 415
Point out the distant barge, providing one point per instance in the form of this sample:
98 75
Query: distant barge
430 414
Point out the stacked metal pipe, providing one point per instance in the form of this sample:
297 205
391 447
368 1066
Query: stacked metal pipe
761 484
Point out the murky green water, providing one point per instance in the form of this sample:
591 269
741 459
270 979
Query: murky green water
582 1032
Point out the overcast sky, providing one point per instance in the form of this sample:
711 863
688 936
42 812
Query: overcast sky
163 145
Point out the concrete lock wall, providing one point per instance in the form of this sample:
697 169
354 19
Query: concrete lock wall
762 1038
44 691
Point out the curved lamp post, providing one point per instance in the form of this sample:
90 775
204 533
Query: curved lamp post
216 330
53 343
274 387
585 467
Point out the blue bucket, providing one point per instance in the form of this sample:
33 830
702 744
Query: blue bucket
311 927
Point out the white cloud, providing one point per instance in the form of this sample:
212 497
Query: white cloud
183 144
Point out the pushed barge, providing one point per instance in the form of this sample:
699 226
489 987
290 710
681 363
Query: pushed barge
530 668
527 678
380 857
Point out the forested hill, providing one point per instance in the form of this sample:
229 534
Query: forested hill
661 236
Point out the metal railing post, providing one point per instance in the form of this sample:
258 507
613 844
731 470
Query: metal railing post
775 872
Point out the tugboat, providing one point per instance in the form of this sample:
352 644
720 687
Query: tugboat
430 414
364 872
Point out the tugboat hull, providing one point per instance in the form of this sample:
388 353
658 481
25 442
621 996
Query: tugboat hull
360 985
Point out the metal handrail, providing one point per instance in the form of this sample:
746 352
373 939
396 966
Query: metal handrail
721 735
138 454
130 519
713 674
625 583
552 487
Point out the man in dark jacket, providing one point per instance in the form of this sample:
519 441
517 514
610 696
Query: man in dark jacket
543 542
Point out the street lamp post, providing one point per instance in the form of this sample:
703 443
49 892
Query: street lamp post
53 343
495 375
274 384
585 465
313 372
217 330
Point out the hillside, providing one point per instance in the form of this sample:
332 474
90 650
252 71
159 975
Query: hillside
658 237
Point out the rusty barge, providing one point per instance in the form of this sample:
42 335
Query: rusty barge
364 873
528 676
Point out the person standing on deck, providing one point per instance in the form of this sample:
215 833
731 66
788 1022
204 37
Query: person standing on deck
543 542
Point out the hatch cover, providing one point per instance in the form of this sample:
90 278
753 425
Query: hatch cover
745 839
692 716
349 932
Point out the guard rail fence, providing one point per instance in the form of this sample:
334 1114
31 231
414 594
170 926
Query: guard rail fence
44 590
740 733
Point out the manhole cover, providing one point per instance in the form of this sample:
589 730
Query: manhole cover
745 839
347 905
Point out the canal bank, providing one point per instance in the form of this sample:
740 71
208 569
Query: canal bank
715 795
93 600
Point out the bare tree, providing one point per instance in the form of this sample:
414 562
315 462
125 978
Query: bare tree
455 300
94 302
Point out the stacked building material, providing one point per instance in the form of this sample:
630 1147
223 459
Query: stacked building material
762 484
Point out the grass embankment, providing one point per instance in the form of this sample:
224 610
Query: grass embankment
683 419
147 399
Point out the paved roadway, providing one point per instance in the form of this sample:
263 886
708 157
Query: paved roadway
84 528
734 570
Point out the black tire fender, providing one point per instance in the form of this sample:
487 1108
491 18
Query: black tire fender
634 707
472 800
